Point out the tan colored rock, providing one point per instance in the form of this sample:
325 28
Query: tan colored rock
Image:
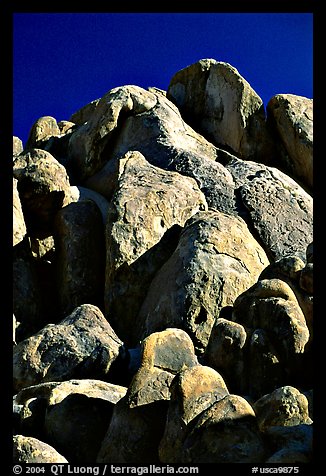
147 203
80 345
42 130
285 406
192 391
27 449
17 146
19 226
130 118
164 354
84 113
216 260
138 420
292 117
270 304
226 432
217 101
43 185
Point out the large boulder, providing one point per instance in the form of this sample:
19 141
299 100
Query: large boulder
216 260
148 202
138 420
82 344
277 209
193 390
41 131
218 102
292 117
130 118
43 186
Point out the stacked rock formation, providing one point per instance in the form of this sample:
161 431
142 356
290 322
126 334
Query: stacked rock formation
163 277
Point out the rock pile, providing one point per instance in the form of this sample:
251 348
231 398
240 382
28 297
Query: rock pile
163 277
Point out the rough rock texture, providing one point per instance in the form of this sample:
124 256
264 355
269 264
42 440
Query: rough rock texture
192 391
292 117
19 226
218 102
277 209
80 344
31 450
147 203
43 185
216 260
163 277
138 420
227 432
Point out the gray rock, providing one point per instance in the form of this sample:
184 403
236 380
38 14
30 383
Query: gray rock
17 146
42 130
278 211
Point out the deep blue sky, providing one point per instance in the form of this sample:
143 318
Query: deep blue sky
62 61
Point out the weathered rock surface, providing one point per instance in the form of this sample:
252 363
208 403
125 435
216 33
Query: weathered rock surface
81 344
218 102
31 450
184 220
43 185
193 390
292 117
17 146
215 261
42 130
285 406
138 420
19 226
147 203
227 432
277 209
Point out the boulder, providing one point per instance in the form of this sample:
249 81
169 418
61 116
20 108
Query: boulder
80 255
292 118
19 226
277 209
130 118
148 202
43 186
138 420
80 345
42 130
271 305
32 451
84 113
17 146
216 260
285 406
225 351
226 432
193 390
218 102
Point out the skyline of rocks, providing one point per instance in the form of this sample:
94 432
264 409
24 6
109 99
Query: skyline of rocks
163 277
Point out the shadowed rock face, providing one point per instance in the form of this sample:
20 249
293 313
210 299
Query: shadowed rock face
163 277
